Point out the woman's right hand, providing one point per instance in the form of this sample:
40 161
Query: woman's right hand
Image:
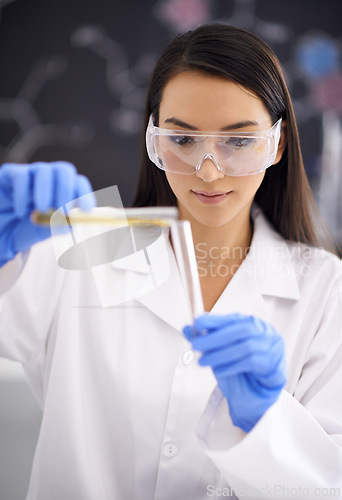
40 186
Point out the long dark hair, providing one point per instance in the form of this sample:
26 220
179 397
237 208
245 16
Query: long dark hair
235 54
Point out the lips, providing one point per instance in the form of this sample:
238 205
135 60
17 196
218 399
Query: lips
212 193
211 197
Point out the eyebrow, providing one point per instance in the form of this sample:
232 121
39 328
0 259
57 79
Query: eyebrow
233 126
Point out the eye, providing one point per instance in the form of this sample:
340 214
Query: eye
239 142
182 140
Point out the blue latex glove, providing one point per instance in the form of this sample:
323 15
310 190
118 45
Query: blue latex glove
247 357
40 186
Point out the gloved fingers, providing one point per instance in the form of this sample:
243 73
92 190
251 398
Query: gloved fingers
260 365
188 332
15 183
273 373
208 322
244 365
248 348
228 334
21 178
6 174
43 186
198 330
57 184
274 380
86 197
65 183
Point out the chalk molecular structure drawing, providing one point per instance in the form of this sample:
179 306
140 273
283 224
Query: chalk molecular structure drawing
125 83
31 133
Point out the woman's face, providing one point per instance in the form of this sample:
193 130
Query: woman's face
193 100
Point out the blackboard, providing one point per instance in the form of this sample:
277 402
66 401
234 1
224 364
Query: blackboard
74 74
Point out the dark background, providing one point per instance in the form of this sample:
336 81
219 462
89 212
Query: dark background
74 74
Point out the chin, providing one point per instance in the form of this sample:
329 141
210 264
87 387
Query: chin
212 220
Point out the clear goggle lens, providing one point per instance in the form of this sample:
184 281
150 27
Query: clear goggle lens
233 153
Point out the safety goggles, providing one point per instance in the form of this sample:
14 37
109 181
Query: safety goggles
233 153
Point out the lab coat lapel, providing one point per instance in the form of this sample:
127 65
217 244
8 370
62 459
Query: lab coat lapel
242 295
270 261
266 271
148 277
168 301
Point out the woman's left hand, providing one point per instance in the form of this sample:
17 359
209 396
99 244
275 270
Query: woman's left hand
247 357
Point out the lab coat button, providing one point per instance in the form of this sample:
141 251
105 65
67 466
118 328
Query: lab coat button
188 357
170 450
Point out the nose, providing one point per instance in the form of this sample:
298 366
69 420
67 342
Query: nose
208 169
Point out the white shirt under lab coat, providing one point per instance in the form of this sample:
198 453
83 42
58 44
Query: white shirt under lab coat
128 412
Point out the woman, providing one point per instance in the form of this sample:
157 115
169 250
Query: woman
128 412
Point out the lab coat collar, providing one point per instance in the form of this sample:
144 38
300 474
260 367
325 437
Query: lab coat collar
169 300
267 270
149 277
271 260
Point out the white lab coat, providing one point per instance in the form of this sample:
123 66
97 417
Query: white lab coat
128 412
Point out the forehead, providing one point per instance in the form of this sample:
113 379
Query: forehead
209 102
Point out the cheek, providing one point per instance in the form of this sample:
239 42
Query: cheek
178 183
249 184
